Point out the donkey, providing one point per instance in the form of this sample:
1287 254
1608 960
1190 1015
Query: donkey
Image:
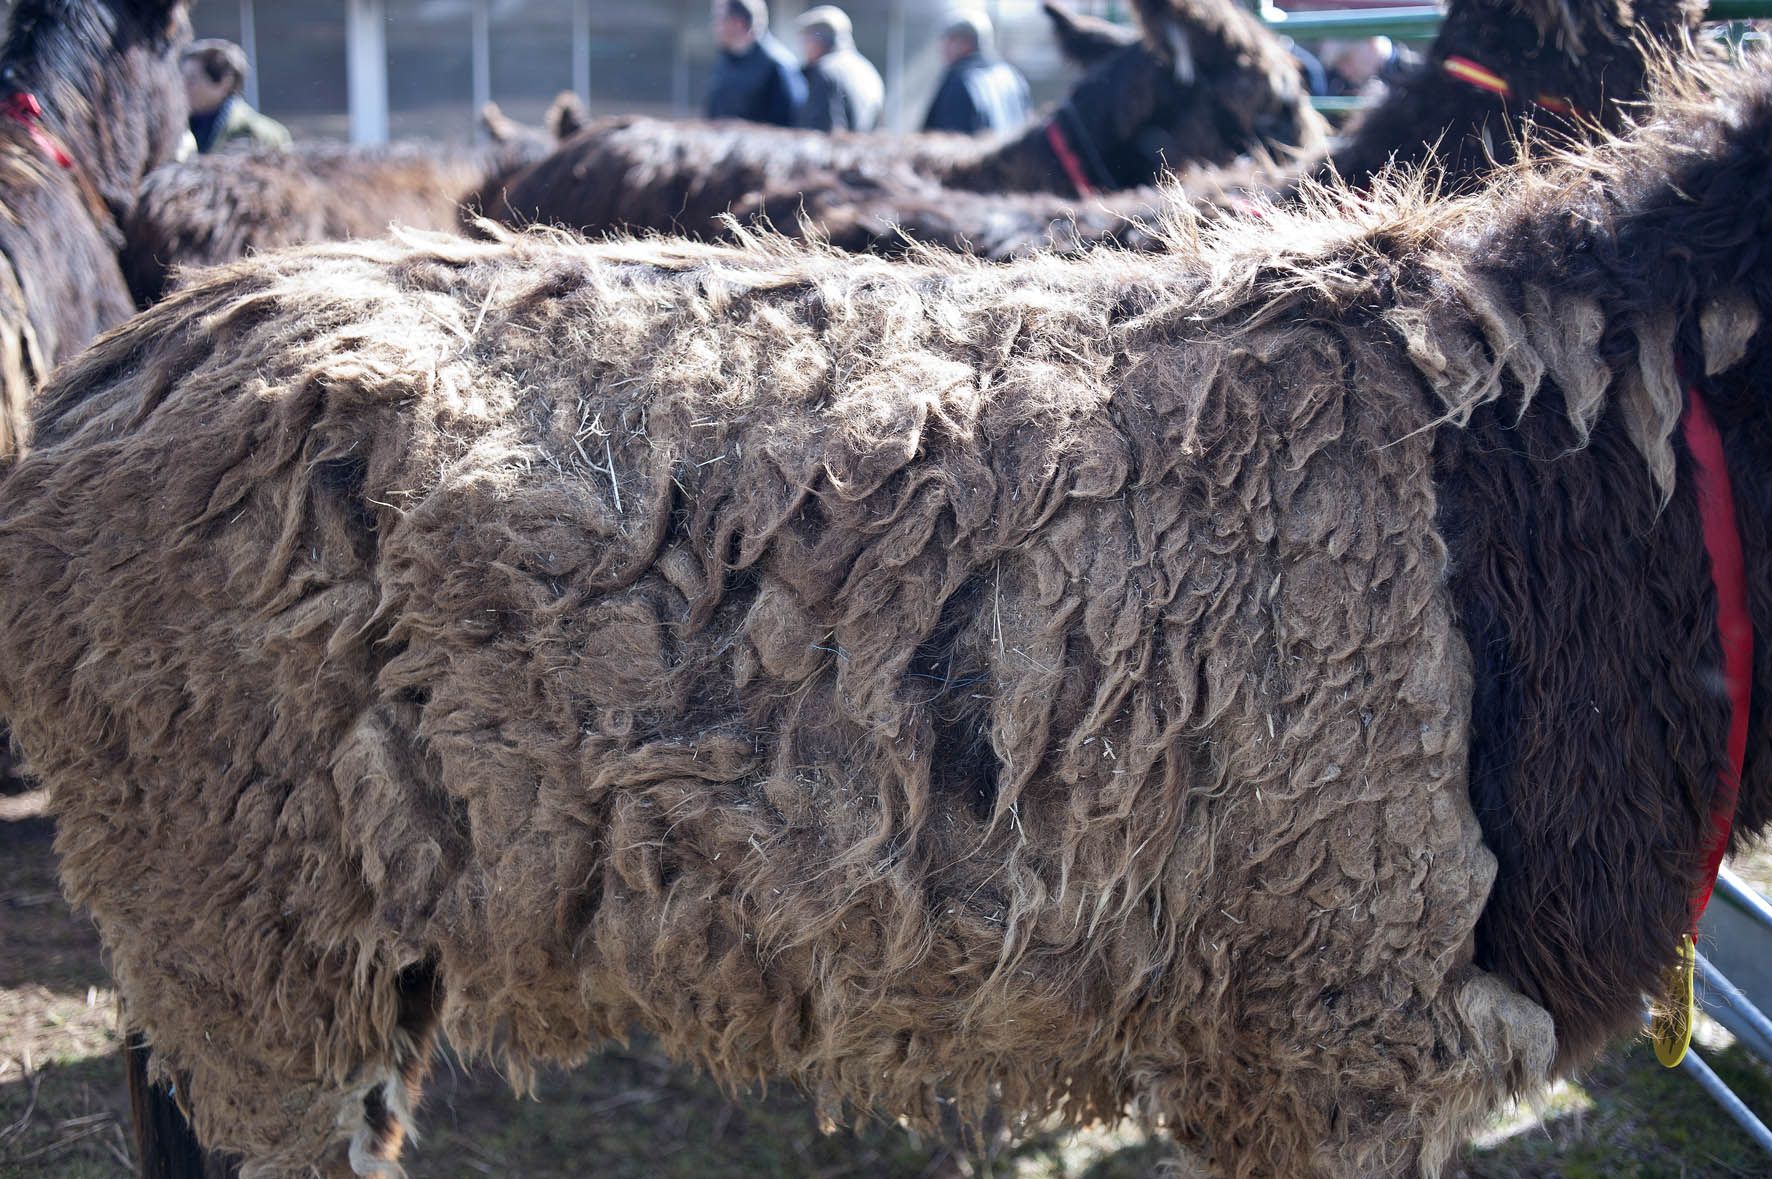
1461 117
1297 685
1198 81
1499 68
220 207
92 99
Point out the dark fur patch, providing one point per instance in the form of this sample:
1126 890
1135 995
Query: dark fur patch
164 1141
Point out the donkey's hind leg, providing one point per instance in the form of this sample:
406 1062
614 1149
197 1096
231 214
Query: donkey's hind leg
388 1104
164 1141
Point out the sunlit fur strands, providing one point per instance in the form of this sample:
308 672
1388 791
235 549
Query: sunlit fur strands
894 212
217 208
1592 54
1242 92
106 75
1058 684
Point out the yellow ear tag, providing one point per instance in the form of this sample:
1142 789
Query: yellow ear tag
1670 1024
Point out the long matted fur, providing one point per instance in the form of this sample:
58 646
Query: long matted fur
1049 685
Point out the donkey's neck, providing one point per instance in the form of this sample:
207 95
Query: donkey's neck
1025 162
1598 726
1559 320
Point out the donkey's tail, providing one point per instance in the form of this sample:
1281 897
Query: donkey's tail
164 1141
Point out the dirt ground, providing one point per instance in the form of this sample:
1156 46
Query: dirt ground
630 1113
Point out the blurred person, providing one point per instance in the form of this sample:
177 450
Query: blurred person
1359 68
755 77
979 91
843 89
215 74
1316 78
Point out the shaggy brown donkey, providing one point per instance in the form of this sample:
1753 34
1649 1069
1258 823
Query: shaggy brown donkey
1500 66
220 207
1276 682
90 100
1204 82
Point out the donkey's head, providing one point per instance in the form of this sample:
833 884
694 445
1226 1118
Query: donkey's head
1591 54
1197 81
107 77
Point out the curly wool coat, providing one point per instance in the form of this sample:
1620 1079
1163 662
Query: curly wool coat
1063 685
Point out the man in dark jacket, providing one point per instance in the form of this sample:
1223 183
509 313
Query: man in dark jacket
978 92
843 89
755 77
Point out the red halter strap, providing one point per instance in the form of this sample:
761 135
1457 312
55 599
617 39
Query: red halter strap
24 109
1474 74
1735 632
1067 159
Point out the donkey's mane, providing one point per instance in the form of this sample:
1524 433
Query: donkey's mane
1554 270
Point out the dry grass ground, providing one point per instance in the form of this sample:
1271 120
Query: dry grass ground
631 1114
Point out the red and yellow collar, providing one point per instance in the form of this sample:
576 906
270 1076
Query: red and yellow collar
1671 1020
1473 74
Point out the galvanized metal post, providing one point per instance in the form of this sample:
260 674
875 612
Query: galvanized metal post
366 69
249 43
482 60
581 50
895 59
680 61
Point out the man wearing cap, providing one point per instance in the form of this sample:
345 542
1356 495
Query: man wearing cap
755 77
979 92
215 74
843 89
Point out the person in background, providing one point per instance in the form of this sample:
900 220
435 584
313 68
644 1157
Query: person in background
1316 78
1359 68
215 74
755 77
979 92
843 89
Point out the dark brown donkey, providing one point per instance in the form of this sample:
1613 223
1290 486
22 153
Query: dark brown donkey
217 208
1499 67
1583 64
90 100
1199 81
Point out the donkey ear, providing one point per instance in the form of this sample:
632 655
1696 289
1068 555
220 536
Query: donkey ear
566 116
500 126
1085 40
1166 35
